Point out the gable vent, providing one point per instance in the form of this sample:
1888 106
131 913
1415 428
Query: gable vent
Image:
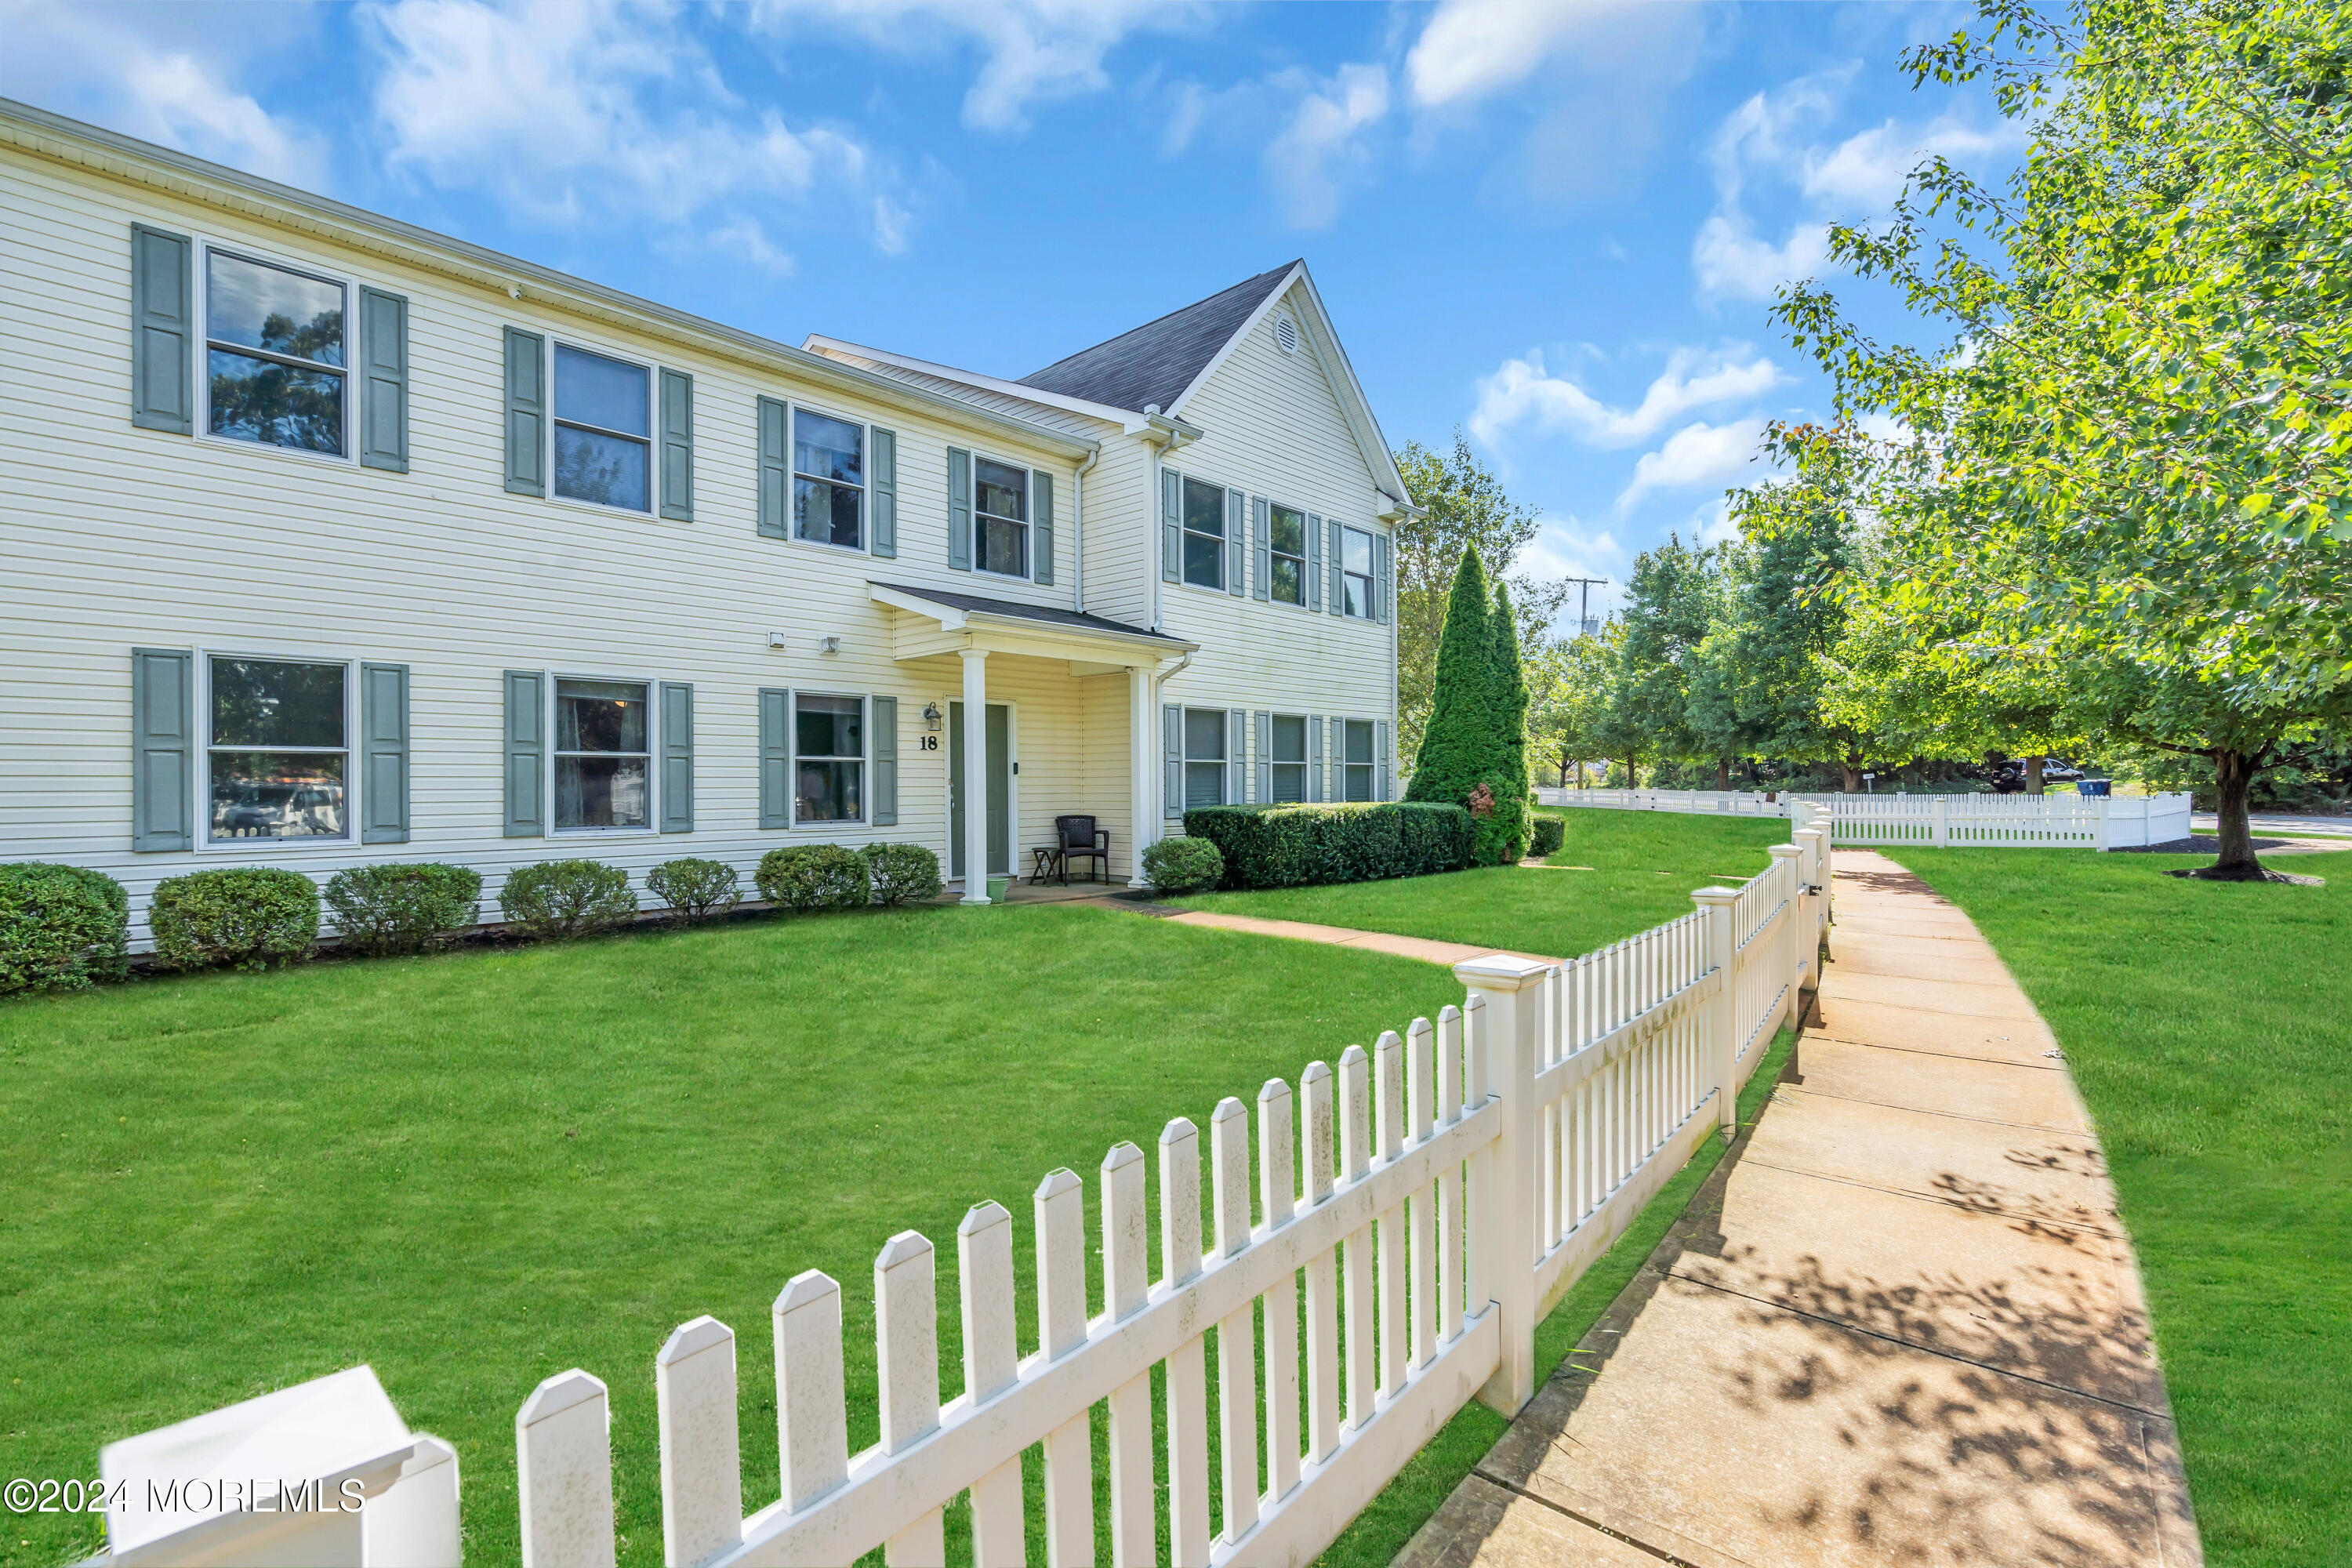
1285 333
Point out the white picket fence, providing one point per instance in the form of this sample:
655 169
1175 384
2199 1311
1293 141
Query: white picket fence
1936 821
1434 1196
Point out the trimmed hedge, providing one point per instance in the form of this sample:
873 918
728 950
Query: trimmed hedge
61 927
1183 864
567 898
249 917
694 890
813 877
901 873
1549 834
396 909
1298 845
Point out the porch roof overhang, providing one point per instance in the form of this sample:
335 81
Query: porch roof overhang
927 622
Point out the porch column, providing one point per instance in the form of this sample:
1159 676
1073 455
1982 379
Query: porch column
1142 769
975 776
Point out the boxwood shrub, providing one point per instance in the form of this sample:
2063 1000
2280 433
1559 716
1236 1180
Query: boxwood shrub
1549 834
1183 864
60 927
813 877
1296 846
902 873
567 898
394 909
247 917
694 890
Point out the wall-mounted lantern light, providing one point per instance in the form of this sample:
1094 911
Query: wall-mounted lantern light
930 715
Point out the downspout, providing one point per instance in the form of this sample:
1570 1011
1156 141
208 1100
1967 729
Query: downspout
1078 529
1160 772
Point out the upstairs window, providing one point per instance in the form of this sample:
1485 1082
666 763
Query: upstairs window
276 368
278 758
1204 536
828 480
1001 518
1356 577
1289 758
1204 757
829 744
600 754
1355 767
603 422
1289 555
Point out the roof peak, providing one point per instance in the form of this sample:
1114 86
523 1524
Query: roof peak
1157 362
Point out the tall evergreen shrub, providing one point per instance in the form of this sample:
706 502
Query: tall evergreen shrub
1469 740
1509 699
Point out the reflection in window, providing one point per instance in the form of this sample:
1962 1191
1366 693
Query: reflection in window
828 480
1204 535
1289 555
829 749
1205 756
277 762
1357 768
1290 759
275 361
1356 575
603 425
601 753
1001 520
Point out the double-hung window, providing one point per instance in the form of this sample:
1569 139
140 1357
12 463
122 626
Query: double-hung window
604 425
277 371
828 480
1289 528
1204 757
278 754
1356 577
1204 536
1001 520
1356 765
1289 756
602 754
829 747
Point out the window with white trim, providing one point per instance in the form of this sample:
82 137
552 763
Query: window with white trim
1288 528
1204 757
277 753
1356 766
604 430
828 480
277 360
1288 757
604 754
1204 535
1356 575
829 758
1000 518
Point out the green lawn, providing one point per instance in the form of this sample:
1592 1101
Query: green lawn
2210 1027
1645 865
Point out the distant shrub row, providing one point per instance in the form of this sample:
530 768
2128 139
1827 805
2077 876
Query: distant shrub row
1297 845
62 927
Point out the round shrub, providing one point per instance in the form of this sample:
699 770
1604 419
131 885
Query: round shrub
246 917
695 890
1183 864
60 926
386 910
902 873
813 877
567 898
1550 833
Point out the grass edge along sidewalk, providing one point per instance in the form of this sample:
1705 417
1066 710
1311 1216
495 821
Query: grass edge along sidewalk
2203 1024
1418 1490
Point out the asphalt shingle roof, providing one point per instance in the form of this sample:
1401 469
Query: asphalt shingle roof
1045 614
1156 361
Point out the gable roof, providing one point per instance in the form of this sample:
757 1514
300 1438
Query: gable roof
1156 363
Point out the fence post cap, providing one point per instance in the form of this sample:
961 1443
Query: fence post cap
1500 971
558 1394
1057 1181
1782 851
810 1285
1714 895
984 1216
1121 1155
907 1246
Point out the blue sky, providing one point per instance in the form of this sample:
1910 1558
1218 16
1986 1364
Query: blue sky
1555 225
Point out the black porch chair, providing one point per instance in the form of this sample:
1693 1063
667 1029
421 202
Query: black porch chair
1078 838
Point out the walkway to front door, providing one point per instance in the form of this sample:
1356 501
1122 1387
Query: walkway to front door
1000 789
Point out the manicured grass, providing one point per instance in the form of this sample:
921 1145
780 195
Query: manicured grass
1645 865
476 1170
2207 1026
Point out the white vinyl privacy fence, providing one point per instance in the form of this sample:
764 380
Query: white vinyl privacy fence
1936 821
1418 1207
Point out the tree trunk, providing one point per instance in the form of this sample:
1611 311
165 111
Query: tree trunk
2234 775
1723 774
1853 776
2034 774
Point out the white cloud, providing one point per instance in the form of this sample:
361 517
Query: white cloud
1568 547
747 241
1309 158
1522 393
1472 48
1866 170
1697 454
1731 262
1712 523
890 221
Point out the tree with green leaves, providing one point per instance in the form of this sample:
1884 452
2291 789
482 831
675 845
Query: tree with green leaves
1469 744
1672 600
1568 688
2133 442
1507 671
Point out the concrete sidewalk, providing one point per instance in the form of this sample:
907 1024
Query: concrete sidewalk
1423 948
1901 1323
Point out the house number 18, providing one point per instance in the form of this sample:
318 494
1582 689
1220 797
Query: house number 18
930 743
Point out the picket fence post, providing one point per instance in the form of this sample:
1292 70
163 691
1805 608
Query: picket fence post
1943 822
1723 1008
1789 860
1815 870
1506 986
563 1472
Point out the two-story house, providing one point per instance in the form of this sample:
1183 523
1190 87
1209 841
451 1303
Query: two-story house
329 540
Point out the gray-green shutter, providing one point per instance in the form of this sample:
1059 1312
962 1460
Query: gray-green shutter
775 476
677 757
1338 758
1236 542
1172 526
162 332
1265 727
383 391
1338 557
885 468
383 753
1380 757
526 415
1041 525
1172 728
526 752
162 748
775 756
677 446
1314 561
1380 578
882 718
959 508
1315 758
1236 756
1261 538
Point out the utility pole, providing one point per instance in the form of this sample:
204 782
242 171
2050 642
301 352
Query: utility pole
1584 602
